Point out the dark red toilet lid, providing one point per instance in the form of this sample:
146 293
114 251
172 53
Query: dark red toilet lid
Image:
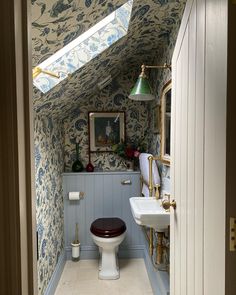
108 227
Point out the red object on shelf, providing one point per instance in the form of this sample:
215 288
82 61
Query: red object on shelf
90 167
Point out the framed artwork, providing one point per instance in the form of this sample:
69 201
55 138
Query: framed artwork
156 119
105 130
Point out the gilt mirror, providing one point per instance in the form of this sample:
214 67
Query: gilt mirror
166 123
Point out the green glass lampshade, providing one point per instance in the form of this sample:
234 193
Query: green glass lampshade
142 90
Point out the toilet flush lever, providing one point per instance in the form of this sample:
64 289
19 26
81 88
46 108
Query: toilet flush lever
126 182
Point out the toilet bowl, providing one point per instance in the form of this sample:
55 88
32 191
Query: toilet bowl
107 234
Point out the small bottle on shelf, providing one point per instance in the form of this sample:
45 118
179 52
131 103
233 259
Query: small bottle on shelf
77 165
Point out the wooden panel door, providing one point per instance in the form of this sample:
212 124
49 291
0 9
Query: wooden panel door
198 139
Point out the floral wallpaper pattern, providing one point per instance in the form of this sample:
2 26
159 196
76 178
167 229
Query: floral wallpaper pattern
48 139
88 46
56 23
114 98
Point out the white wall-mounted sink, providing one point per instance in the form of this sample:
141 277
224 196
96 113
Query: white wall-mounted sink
149 212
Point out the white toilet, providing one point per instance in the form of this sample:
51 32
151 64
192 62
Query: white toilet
107 234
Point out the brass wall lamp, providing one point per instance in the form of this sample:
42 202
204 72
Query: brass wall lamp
142 90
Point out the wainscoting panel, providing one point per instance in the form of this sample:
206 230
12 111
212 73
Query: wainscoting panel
105 196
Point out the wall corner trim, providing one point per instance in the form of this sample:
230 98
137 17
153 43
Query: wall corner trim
52 285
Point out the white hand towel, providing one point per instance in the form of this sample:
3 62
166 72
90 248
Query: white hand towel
144 168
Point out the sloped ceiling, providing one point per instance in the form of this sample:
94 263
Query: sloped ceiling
56 23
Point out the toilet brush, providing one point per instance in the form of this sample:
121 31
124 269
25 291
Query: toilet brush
76 244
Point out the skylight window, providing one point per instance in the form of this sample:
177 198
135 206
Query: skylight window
83 49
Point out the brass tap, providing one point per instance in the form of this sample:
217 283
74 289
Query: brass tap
150 182
157 191
151 186
151 241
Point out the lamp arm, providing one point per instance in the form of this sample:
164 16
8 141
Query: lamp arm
165 66
37 71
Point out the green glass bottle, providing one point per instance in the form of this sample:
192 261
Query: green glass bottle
77 165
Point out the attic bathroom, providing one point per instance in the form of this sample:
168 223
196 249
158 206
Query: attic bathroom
87 56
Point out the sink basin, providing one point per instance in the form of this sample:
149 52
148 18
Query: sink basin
149 212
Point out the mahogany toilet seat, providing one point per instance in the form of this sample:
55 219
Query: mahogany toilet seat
108 227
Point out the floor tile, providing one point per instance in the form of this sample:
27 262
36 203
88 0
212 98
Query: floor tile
81 278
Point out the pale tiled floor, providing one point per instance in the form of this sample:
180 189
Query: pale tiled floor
81 278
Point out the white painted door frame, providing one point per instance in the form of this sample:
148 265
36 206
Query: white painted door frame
198 168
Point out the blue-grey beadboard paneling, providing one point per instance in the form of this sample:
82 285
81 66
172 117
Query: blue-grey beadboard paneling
105 196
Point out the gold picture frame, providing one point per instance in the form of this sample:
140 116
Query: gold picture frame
166 123
105 130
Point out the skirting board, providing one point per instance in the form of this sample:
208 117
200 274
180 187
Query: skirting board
159 280
51 288
91 252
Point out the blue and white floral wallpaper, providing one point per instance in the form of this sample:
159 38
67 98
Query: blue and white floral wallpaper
56 23
88 46
49 139
114 98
